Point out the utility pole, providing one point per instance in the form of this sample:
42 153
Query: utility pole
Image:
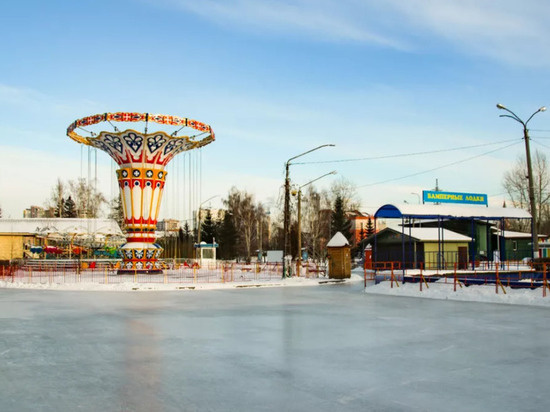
286 212
532 201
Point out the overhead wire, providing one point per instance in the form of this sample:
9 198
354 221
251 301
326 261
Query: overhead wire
539 143
407 154
442 166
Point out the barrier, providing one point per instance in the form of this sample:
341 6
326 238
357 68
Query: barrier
501 276
106 273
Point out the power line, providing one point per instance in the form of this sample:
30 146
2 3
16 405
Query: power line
406 154
439 167
539 143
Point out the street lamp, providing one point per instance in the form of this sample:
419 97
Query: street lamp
416 194
299 261
286 217
534 229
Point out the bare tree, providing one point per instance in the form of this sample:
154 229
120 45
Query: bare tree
245 215
346 190
315 221
516 184
87 199
56 200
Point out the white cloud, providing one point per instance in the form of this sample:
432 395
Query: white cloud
509 31
322 19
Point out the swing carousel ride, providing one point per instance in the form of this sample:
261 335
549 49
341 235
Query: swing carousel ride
142 158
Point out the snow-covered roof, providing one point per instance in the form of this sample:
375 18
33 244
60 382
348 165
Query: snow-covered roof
60 225
429 234
450 211
509 234
338 240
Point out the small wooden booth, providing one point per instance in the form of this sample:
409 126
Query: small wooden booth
339 256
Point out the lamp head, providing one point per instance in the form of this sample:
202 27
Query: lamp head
500 106
542 109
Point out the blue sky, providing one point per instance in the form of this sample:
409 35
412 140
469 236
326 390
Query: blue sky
275 79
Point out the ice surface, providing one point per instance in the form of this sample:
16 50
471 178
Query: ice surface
323 348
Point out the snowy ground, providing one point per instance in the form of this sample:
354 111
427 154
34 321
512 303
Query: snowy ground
325 348
84 284
474 293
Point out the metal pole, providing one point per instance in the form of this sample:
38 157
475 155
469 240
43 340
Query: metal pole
533 206
286 219
299 261
531 194
286 213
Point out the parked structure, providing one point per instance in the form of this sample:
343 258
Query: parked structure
339 256
473 222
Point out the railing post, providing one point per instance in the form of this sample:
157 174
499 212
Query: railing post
497 279
544 280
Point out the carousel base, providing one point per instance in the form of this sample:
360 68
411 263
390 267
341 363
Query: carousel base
139 272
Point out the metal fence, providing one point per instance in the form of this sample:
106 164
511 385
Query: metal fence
498 274
175 272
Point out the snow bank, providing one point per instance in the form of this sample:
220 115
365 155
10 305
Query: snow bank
131 286
474 293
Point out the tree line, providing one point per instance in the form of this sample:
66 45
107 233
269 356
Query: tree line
246 226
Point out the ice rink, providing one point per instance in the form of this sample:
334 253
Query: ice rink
321 348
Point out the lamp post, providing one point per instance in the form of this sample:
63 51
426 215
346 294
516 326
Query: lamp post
286 213
532 203
299 261
417 195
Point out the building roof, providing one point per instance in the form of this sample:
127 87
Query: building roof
430 234
338 240
450 212
509 234
44 226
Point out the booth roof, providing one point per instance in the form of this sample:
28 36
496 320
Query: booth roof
449 211
59 225
508 234
432 234
338 240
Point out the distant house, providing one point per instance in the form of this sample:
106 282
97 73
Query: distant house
515 245
424 247
360 224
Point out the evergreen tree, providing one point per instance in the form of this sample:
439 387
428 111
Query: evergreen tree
339 222
208 228
370 228
362 233
187 235
228 238
69 208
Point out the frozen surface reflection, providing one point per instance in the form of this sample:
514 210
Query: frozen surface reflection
321 348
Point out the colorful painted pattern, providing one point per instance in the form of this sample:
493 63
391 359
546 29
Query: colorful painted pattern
136 117
133 147
142 158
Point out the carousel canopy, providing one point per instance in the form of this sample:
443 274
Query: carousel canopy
59 226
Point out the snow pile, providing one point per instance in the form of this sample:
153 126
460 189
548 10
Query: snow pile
474 293
131 286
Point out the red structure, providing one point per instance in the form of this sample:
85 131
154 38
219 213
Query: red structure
142 158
